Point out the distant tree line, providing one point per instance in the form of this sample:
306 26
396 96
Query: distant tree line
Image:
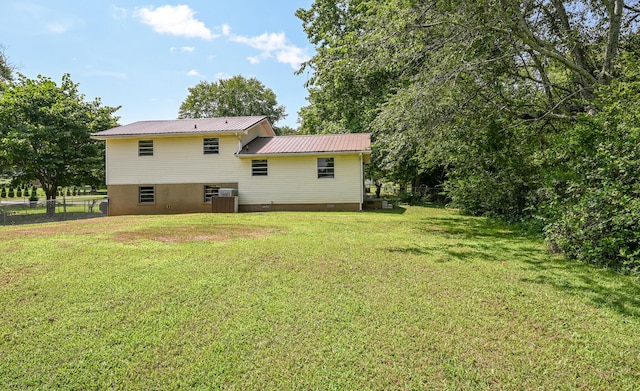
524 110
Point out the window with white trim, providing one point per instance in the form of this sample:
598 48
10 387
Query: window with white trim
259 167
211 146
210 191
146 194
145 147
325 167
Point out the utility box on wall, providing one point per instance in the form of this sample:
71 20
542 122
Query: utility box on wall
224 204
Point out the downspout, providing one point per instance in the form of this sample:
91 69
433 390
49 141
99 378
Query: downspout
361 181
239 143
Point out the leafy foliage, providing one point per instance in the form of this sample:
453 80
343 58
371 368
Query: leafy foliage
596 216
45 133
237 96
492 92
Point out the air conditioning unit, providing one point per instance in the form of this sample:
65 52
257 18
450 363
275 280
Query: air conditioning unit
227 192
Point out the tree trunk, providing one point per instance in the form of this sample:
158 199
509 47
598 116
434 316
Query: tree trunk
51 200
614 9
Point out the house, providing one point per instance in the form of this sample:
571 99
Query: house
189 165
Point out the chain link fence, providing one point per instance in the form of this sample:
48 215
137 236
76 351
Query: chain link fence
14 212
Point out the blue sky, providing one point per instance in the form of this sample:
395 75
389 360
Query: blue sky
144 56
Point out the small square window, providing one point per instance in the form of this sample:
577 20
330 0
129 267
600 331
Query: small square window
211 146
145 147
210 191
259 167
325 167
146 194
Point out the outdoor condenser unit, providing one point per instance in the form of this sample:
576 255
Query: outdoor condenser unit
227 192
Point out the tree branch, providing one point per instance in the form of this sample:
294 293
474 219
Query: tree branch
527 36
613 39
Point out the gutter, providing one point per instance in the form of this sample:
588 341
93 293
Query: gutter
95 136
276 154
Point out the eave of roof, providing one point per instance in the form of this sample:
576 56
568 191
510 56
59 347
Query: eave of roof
184 127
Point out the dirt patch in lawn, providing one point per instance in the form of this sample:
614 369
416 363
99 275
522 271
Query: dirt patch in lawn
74 227
198 233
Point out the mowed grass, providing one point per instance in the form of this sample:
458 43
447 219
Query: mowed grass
416 298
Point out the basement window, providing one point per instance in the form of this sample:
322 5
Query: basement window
259 167
210 191
211 146
146 194
145 147
325 167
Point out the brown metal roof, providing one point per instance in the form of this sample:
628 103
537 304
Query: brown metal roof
183 126
317 143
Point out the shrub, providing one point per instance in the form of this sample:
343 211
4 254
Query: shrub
602 227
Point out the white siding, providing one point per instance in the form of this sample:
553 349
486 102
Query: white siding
174 160
180 160
294 180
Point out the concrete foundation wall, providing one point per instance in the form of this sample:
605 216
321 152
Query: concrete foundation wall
189 198
169 199
340 207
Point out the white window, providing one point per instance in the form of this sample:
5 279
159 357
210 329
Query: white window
259 167
211 146
325 167
210 191
146 194
145 147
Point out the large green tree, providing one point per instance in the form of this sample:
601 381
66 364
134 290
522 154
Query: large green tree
473 87
236 96
45 132
489 91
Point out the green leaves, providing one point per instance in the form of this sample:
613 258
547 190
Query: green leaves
236 96
45 133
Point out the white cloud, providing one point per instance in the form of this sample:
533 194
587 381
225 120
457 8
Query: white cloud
270 45
58 28
175 20
194 73
118 13
48 20
183 49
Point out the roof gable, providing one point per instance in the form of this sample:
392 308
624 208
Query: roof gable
189 126
309 144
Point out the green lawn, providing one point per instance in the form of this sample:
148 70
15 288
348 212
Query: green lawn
407 299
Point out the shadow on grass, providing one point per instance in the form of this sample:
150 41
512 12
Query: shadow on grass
478 239
603 288
39 218
467 227
396 210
